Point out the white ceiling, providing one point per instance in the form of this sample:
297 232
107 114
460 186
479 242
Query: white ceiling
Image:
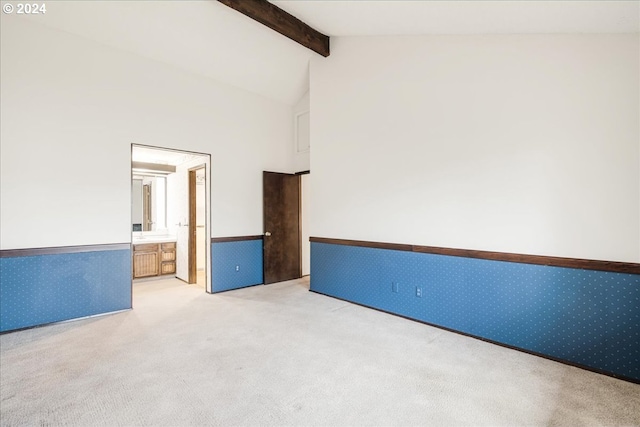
366 17
209 39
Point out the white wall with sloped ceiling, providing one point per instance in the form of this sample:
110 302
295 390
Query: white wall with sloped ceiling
70 110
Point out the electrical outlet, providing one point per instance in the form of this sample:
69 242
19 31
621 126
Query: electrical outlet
418 292
394 287
237 268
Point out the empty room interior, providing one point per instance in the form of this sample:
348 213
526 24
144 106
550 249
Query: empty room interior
341 212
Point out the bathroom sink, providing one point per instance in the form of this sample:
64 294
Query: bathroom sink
154 239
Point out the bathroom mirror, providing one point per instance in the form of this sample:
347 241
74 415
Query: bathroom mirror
149 203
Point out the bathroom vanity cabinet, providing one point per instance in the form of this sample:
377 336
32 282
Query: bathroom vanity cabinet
154 259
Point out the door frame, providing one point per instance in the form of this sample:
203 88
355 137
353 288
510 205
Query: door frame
208 165
301 220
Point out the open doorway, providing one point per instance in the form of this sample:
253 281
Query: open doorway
170 211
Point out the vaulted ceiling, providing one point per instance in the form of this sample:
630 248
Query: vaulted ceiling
392 17
209 39
202 37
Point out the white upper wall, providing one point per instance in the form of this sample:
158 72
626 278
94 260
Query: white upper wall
514 143
70 110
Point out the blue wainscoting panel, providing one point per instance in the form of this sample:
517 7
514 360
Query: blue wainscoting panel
236 265
585 317
41 289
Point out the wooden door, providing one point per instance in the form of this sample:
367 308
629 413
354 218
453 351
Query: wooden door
146 207
281 209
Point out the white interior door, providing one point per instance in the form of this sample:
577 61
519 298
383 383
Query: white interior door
178 215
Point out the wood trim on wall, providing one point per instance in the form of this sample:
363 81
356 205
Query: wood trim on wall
234 239
58 250
585 264
364 244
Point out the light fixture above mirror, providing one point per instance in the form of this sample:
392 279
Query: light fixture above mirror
152 168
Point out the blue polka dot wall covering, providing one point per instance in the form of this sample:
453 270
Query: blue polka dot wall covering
584 317
236 264
40 289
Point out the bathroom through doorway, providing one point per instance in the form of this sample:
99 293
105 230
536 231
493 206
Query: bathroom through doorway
170 215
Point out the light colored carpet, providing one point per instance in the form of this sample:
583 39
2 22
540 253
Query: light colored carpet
280 355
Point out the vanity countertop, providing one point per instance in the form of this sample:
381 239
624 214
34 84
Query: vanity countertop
137 240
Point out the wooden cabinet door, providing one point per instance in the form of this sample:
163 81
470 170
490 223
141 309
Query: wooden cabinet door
145 264
168 255
168 268
168 258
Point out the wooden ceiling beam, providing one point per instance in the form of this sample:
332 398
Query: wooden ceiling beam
286 24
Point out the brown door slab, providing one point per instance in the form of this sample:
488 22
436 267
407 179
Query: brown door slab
281 209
